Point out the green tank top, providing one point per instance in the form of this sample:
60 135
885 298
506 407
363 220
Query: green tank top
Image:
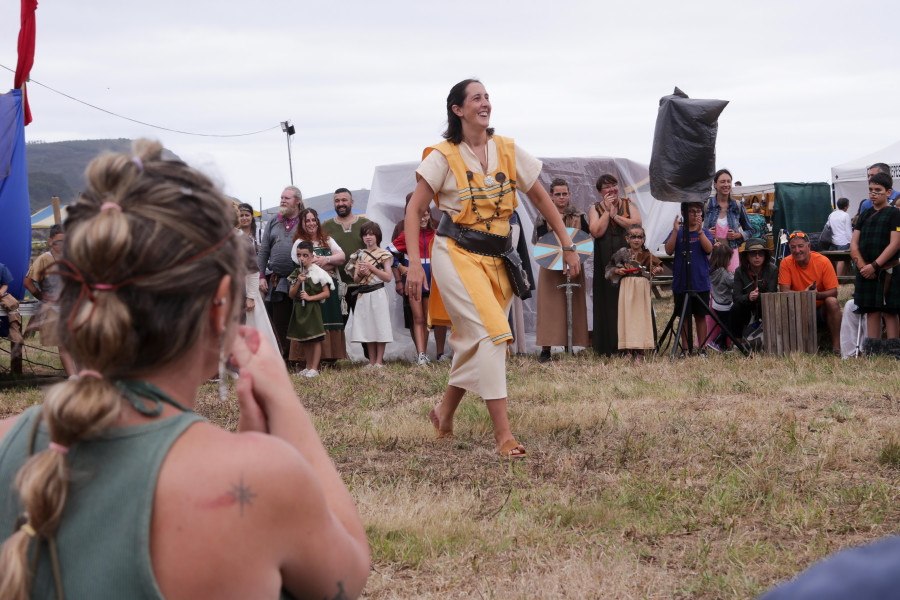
104 534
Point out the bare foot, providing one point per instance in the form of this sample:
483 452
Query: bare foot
436 421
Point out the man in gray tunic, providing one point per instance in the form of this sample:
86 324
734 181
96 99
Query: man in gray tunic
275 263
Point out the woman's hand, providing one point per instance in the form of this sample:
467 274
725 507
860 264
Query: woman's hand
734 235
868 271
657 270
619 271
415 280
249 305
363 268
754 294
263 380
573 263
322 261
611 202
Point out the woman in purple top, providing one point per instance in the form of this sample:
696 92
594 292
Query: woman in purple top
701 243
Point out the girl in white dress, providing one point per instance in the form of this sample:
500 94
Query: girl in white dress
370 320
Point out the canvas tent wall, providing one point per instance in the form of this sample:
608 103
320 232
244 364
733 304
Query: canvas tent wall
803 206
391 184
43 218
850 181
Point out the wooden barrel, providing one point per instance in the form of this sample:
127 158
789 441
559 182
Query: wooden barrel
789 322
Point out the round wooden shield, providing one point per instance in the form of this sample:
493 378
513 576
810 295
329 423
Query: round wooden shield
548 251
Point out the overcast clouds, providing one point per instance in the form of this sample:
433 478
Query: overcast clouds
811 84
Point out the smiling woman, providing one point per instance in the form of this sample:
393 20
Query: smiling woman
328 256
473 177
726 217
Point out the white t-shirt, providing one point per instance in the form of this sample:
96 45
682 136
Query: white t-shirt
841 227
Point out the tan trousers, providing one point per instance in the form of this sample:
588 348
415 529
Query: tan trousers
11 306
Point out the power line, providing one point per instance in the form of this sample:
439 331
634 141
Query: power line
109 112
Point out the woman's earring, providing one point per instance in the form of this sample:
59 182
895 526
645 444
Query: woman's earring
223 386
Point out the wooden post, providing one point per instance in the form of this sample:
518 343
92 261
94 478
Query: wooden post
57 217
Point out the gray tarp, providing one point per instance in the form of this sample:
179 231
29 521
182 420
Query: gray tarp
391 183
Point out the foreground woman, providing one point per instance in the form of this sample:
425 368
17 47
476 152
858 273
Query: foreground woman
113 485
474 175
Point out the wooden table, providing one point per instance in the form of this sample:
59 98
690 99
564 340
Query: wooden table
836 256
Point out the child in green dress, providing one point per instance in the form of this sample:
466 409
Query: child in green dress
310 285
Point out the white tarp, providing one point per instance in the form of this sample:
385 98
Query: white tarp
391 184
849 180
43 218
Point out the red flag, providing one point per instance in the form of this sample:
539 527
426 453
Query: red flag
26 52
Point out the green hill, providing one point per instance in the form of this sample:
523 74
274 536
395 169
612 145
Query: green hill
57 168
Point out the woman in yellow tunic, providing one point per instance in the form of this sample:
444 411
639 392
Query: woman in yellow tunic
473 177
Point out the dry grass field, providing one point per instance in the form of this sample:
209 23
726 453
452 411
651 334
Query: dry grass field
700 478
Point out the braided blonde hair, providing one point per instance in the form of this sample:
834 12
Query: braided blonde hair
147 245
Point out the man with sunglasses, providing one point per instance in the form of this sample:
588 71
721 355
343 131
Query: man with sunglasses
805 270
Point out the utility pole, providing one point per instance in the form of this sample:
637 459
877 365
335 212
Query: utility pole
289 130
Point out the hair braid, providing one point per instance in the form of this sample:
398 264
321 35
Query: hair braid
144 219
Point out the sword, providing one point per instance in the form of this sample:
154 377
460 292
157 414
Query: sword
568 285
302 285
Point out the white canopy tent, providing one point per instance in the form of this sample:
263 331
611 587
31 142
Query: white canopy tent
391 184
849 179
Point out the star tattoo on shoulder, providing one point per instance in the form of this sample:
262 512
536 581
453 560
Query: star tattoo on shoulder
241 494
341 595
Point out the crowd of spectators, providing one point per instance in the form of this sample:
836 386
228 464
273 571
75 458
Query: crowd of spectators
729 272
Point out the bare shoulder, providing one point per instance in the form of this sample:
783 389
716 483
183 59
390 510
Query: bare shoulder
7 424
225 502
208 454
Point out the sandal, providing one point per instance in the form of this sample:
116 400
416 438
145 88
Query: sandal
441 434
507 447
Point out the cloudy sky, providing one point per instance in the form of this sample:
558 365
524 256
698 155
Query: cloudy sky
811 84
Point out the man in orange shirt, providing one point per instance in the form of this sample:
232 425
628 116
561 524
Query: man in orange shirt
805 270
